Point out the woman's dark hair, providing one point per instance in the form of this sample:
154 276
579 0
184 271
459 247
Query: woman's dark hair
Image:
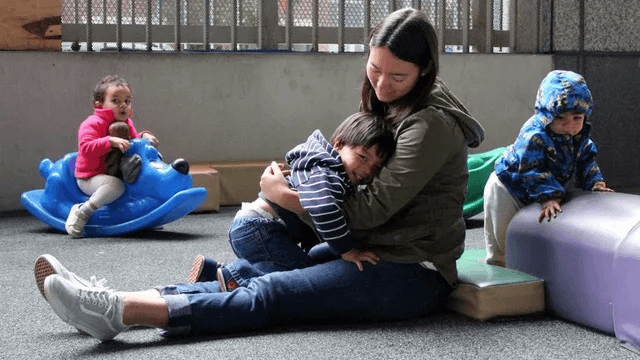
105 82
409 35
366 130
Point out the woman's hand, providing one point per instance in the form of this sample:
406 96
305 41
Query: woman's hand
358 256
275 188
119 143
601 186
550 208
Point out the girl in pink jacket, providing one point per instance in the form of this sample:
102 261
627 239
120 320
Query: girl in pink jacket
112 102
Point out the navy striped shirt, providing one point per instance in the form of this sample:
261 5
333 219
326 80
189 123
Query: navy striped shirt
318 175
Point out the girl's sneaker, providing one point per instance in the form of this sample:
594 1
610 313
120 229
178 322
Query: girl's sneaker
76 221
97 312
47 265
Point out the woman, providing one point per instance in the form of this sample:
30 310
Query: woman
410 216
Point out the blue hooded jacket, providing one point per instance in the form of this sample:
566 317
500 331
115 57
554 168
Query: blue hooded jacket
540 163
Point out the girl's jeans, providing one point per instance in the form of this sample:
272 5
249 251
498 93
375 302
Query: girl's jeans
279 284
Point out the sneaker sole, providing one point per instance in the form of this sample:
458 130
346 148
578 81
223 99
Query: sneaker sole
43 267
196 269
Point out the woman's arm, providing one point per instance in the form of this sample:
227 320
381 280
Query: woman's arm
275 189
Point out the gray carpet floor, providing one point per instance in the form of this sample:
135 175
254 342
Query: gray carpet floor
31 330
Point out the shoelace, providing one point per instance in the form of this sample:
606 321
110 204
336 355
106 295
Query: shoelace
98 283
95 297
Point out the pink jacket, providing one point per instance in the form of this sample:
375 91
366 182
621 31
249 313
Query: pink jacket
93 142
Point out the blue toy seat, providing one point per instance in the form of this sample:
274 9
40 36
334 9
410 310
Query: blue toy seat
161 194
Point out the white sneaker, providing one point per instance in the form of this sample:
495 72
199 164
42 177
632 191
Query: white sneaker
47 265
76 221
97 312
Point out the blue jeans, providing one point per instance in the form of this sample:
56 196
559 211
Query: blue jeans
280 284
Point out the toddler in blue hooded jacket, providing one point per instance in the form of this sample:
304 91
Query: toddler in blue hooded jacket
553 147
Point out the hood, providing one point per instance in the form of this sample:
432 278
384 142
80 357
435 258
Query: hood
561 91
441 97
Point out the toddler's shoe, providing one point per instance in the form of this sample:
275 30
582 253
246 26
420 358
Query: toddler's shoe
203 269
76 221
46 265
227 282
97 312
207 269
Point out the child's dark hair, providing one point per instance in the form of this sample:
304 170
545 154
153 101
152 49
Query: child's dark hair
366 130
105 82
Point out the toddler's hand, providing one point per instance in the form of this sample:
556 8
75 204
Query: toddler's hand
119 143
152 139
550 208
601 186
358 256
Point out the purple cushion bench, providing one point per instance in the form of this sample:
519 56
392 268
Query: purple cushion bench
589 258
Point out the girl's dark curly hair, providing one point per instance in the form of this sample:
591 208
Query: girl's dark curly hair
105 82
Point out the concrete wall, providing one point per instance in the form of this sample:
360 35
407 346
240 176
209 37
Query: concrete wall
225 106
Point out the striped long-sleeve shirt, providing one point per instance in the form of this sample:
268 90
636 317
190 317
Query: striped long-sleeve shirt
317 174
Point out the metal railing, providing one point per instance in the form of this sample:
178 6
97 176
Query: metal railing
297 25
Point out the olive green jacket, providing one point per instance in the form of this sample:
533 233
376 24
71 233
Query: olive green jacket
412 212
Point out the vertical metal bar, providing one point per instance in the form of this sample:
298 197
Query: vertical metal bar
367 24
133 11
160 5
417 4
148 25
207 20
537 26
288 24
513 7
443 24
314 26
75 11
465 26
104 17
177 27
119 25
89 26
186 14
261 24
552 17
489 27
392 6
341 7
234 25
581 65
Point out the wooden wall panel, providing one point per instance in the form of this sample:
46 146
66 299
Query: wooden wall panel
30 25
